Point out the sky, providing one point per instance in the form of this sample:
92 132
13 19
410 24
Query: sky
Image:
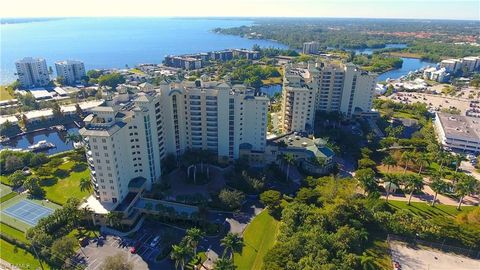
418 9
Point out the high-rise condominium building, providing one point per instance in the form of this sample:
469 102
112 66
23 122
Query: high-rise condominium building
72 71
311 47
327 87
32 72
127 142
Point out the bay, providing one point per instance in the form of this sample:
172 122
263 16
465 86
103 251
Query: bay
116 42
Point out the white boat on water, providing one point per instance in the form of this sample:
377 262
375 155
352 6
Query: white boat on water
41 145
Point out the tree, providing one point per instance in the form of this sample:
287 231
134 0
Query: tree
57 110
391 179
17 178
412 182
389 161
44 171
466 185
233 199
85 184
180 254
437 185
289 160
71 137
271 199
366 179
114 218
13 162
232 243
117 262
407 157
194 235
366 163
61 80
112 80
34 188
64 248
458 161
224 264
422 160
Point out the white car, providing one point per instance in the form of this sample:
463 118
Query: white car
155 241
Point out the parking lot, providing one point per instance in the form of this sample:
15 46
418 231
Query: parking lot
98 250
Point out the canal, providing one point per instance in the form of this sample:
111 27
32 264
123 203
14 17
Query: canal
56 137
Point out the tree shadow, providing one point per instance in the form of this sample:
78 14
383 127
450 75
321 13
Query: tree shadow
47 182
60 173
79 167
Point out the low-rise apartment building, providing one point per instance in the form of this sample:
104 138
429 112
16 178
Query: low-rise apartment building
458 132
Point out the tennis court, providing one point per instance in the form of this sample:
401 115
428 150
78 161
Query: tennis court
28 212
22 212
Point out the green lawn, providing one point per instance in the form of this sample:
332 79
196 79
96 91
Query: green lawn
4 180
59 190
8 197
12 232
427 211
259 237
19 257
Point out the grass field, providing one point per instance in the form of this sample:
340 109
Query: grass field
60 189
5 180
427 211
4 94
20 225
19 257
12 232
4 190
259 237
8 197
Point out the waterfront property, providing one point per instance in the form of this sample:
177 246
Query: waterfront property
325 87
32 72
127 141
71 71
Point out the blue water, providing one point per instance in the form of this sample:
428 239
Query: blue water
114 42
271 90
409 64
55 137
387 46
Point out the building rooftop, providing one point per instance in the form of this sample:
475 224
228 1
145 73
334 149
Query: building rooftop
301 143
460 126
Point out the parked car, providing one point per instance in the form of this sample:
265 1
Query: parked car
155 241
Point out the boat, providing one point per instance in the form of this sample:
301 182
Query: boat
59 128
4 139
41 145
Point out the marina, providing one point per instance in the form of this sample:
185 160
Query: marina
50 140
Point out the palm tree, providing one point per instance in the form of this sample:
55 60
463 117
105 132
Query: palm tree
422 160
289 159
70 137
391 179
180 254
114 218
413 182
438 185
389 161
366 179
87 213
367 262
194 235
224 264
466 185
232 242
85 184
407 157
458 161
